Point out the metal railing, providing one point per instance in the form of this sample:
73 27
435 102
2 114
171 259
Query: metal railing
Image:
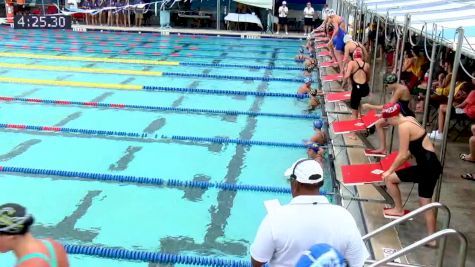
445 225
440 234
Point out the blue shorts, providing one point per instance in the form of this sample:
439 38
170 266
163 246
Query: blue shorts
338 40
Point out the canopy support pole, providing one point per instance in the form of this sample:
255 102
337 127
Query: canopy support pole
404 38
429 83
218 15
373 77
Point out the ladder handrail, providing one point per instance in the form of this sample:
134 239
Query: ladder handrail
395 264
410 215
433 205
440 234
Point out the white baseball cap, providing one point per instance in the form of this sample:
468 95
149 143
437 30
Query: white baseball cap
303 169
284 3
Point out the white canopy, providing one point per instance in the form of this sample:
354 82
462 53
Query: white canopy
267 4
447 16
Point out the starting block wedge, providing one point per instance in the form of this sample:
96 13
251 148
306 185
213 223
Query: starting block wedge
328 64
324 54
348 126
340 96
370 172
332 77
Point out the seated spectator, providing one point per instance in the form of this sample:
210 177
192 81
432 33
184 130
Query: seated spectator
467 107
409 70
442 91
471 143
307 220
322 255
15 236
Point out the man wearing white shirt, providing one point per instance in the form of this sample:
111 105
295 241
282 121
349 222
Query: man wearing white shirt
283 12
309 219
308 18
325 10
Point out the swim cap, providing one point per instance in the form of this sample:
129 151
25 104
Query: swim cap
314 146
318 124
347 38
391 110
322 255
307 80
390 79
14 220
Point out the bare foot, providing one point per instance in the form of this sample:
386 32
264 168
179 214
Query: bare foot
431 244
352 136
393 212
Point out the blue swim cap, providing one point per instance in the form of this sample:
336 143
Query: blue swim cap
314 146
318 124
322 255
307 80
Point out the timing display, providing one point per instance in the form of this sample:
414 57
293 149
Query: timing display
42 22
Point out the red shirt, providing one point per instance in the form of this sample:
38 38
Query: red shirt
470 105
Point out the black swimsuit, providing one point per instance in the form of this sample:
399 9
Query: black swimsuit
427 170
405 110
359 90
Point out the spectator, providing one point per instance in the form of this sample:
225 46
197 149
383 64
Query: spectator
413 141
467 107
308 18
307 220
15 236
322 255
471 143
283 12
139 11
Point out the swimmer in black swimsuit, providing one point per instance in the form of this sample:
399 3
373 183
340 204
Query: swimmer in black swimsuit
400 95
413 140
357 72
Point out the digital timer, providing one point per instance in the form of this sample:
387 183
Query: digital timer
42 22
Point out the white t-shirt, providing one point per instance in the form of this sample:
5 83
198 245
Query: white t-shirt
308 12
283 11
307 220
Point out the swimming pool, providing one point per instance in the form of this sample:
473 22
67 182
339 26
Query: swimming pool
87 117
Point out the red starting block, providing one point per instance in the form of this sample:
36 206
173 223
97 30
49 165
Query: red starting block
332 77
320 34
370 172
340 96
328 64
366 121
324 54
322 40
323 45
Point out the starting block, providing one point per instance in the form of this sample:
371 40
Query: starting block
322 40
328 64
366 121
332 78
320 34
324 54
369 173
340 96
395 217
322 45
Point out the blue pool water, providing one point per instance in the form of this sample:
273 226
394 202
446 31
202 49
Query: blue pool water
178 220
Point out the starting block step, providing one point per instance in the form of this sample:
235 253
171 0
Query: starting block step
328 64
324 54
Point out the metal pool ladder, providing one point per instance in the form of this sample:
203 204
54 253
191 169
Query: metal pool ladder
442 235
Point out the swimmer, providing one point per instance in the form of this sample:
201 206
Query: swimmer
15 236
319 136
310 64
339 26
300 57
315 152
306 87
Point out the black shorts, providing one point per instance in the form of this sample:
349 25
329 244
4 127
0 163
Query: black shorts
425 175
359 91
308 21
283 21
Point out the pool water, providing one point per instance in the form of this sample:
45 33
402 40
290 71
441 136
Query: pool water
171 219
